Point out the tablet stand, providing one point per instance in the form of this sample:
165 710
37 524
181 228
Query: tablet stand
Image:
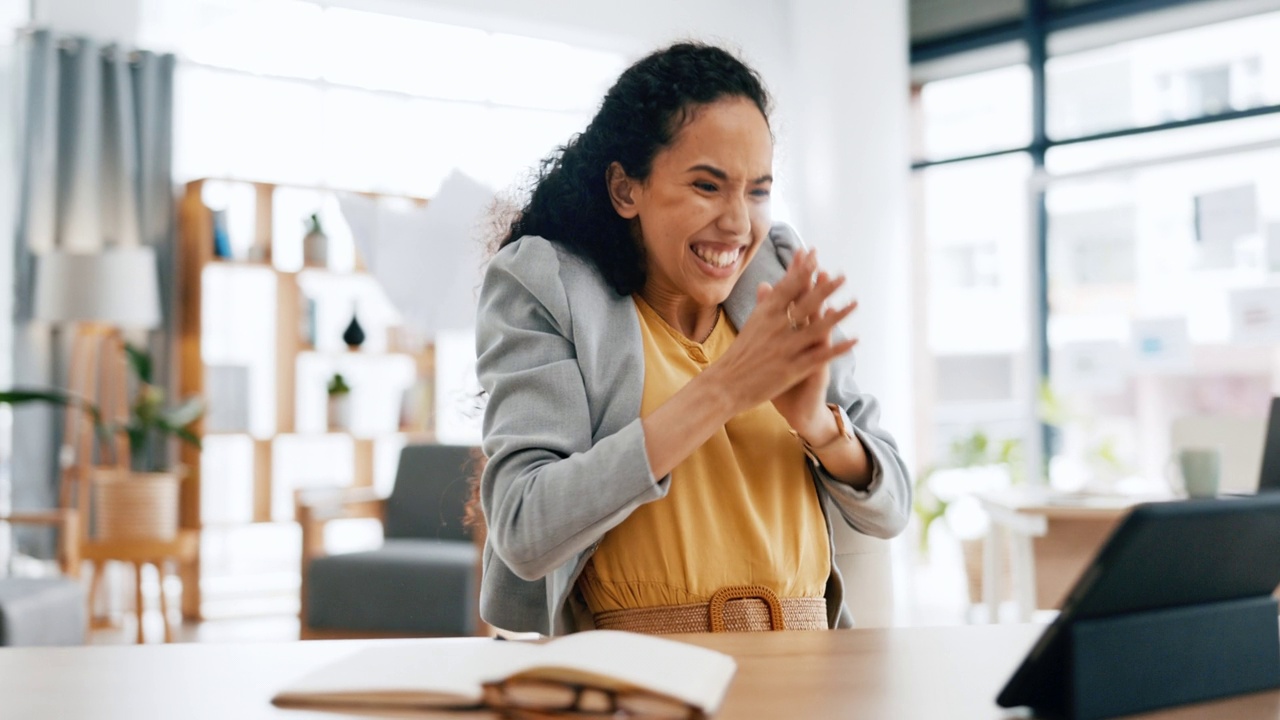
1146 660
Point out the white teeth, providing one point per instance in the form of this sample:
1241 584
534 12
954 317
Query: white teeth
718 259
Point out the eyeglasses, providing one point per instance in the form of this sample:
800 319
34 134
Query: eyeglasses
532 699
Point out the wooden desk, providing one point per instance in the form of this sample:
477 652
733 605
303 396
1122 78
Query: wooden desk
903 674
1050 537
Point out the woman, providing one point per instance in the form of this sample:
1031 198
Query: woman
671 408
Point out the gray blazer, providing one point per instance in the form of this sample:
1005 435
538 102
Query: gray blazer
560 355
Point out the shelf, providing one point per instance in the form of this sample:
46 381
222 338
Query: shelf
307 350
317 270
349 434
229 525
295 285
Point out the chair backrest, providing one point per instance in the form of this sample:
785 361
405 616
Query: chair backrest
430 493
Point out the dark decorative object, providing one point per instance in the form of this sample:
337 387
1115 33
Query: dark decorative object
353 336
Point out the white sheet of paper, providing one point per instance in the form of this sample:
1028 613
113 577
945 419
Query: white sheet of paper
1255 315
1101 367
428 259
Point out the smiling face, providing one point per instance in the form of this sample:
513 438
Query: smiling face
704 209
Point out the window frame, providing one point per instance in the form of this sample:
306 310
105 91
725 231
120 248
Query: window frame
1032 33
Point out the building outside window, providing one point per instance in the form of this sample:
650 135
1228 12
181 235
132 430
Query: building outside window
1161 239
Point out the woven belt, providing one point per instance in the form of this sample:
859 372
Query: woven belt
745 608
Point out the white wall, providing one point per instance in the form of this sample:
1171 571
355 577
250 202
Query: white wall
851 165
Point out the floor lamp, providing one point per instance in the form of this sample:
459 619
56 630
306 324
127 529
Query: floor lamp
98 295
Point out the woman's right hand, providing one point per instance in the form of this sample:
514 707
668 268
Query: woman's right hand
768 357
786 339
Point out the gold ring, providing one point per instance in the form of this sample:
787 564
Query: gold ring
794 325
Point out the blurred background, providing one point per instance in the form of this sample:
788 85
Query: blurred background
1061 219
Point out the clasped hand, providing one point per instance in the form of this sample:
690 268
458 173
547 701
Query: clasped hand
783 351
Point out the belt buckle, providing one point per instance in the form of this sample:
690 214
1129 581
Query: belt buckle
715 608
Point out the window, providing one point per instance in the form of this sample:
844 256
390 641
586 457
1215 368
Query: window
1204 71
1161 225
972 230
977 113
366 101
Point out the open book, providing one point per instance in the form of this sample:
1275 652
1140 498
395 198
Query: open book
450 673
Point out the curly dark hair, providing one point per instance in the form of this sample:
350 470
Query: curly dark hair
639 116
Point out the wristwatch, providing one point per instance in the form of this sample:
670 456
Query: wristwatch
844 433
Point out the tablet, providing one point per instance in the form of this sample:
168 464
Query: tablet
1161 555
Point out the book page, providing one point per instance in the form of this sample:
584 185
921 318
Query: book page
434 673
450 672
621 660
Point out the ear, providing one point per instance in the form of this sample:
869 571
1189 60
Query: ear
621 190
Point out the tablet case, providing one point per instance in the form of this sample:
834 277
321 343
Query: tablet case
1175 608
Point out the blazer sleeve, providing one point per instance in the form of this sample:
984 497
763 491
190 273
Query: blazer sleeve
884 508
550 490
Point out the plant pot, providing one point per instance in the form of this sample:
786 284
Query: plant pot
131 505
340 412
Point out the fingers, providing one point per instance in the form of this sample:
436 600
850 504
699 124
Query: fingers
799 277
800 292
810 304
819 327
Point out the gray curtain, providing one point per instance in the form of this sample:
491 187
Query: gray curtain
95 149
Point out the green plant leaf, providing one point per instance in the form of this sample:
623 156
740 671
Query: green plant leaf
188 437
185 414
20 396
140 361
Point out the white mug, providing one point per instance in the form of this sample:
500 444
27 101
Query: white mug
1200 470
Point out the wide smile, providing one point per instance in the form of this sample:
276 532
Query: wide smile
718 259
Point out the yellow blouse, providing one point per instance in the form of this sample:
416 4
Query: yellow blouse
742 509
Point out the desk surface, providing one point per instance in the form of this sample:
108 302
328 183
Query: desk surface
905 673
1053 504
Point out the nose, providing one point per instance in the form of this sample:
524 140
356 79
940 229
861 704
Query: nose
735 217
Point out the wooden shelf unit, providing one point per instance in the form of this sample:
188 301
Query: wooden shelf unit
195 254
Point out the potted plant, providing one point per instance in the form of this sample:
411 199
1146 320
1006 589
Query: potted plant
137 499
339 403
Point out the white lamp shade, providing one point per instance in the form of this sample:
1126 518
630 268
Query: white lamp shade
118 286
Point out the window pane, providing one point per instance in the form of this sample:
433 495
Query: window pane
523 67
1193 73
410 56
280 140
976 233
13 14
273 37
976 113
977 302
1160 278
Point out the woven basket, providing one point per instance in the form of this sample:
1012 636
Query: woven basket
135 505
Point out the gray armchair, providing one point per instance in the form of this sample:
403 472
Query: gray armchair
47 610
422 581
